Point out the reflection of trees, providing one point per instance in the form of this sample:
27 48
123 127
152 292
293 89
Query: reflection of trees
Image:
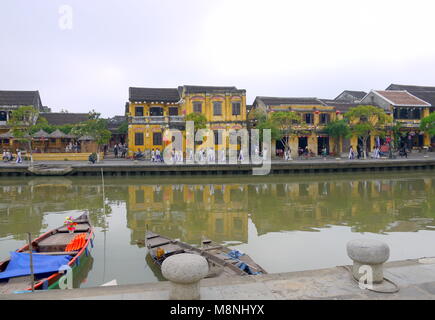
218 207
365 205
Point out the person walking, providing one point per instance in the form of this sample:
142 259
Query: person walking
115 150
19 159
351 153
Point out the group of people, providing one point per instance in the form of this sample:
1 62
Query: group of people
353 155
120 150
156 156
8 156
72 147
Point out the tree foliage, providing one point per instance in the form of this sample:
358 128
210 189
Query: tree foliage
199 120
338 129
22 121
95 127
283 125
428 124
365 121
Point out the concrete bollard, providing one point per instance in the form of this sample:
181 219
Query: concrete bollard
185 271
366 252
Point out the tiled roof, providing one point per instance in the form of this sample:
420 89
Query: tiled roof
188 89
61 118
40 134
357 94
425 93
341 106
20 98
57 134
276 101
410 88
153 95
401 98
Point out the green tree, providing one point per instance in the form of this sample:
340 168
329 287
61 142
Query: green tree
285 124
22 123
337 129
427 124
365 121
123 127
95 127
199 120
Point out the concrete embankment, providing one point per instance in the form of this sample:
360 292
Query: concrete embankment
132 168
415 279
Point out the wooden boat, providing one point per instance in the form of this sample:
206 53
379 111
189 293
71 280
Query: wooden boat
50 244
222 261
50 170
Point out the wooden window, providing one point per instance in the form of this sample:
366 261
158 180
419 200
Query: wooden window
236 108
138 138
309 119
218 137
217 108
197 107
173 111
156 111
157 138
138 111
324 118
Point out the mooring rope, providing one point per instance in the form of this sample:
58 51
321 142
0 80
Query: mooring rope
374 290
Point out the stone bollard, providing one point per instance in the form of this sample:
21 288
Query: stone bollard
185 270
366 252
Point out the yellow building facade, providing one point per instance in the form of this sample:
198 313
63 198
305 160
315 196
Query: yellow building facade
153 112
310 133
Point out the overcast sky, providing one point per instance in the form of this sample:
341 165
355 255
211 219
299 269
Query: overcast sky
84 55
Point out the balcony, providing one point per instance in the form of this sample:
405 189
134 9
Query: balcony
157 120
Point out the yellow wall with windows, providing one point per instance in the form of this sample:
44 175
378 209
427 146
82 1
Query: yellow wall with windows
226 121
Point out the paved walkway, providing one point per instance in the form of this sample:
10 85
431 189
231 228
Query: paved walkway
128 162
415 279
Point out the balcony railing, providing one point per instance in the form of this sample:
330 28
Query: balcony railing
156 119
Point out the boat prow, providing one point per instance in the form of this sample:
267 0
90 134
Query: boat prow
222 261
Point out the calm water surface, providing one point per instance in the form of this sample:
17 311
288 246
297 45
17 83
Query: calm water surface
286 223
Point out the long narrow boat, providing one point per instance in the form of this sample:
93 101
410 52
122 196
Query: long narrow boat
48 253
50 169
222 261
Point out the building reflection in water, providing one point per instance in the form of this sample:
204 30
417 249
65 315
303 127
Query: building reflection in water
221 209
189 211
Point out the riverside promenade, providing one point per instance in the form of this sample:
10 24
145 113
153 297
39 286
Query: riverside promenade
415 280
126 167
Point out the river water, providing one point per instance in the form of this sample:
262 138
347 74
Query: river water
285 223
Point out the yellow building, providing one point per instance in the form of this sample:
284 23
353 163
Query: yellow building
315 115
151 111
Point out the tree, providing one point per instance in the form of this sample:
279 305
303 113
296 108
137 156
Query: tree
123 127
199 120
285 124
427 124
337 129
22 123
95 127
366 121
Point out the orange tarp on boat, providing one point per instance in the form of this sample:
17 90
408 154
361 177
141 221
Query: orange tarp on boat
77 243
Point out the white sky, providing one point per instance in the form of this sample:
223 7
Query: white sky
269 48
